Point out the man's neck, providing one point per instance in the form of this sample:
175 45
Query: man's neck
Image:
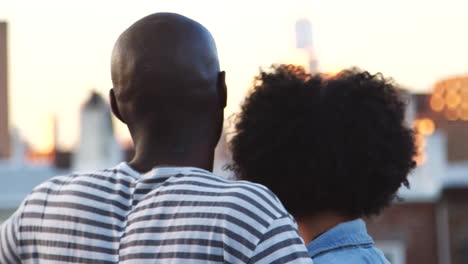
313 226
149 155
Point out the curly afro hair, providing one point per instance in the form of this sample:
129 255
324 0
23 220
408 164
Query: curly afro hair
324 143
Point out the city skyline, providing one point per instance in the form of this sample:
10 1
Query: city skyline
60 51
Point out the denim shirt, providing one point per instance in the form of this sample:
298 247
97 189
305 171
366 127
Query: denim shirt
348 243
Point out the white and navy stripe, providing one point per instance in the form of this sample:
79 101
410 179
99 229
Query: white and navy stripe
168 215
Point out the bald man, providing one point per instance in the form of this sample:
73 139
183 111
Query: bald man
165 205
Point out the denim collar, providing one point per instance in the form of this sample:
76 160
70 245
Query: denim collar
345 235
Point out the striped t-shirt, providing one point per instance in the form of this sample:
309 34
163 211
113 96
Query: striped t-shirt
168 215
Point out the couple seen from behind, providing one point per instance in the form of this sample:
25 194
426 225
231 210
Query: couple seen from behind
330 150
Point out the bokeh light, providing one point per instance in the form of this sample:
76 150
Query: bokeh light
450 97
421 156
425 126
437 102
451 114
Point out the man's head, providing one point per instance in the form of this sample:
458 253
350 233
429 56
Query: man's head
335 144
165 74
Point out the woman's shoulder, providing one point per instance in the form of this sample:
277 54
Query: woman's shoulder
355 255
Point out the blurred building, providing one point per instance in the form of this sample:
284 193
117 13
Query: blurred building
431 224
97 149
304 42
97 146
22 169
19 174
4 124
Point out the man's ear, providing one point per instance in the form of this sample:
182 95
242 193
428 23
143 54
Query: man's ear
114 107
222 89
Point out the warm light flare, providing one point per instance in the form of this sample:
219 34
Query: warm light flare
421 156
451 97
451 114
437 103
463 112
425 126
439 90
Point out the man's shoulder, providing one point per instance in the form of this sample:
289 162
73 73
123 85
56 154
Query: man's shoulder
99 183
233 184
104 177
231 190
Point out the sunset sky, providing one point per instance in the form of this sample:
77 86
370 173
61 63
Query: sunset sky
60 50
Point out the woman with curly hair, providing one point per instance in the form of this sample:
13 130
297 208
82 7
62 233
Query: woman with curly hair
334 150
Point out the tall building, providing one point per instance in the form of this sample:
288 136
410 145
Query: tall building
97 147
304 42
4 125
430 225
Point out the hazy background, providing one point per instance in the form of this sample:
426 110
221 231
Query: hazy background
60 50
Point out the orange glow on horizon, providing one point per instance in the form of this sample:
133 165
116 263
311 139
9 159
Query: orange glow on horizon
333 72
40 157
299 57
47 135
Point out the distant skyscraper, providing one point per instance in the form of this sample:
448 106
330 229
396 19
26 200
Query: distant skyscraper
303 34
304 41
4 127
97 147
